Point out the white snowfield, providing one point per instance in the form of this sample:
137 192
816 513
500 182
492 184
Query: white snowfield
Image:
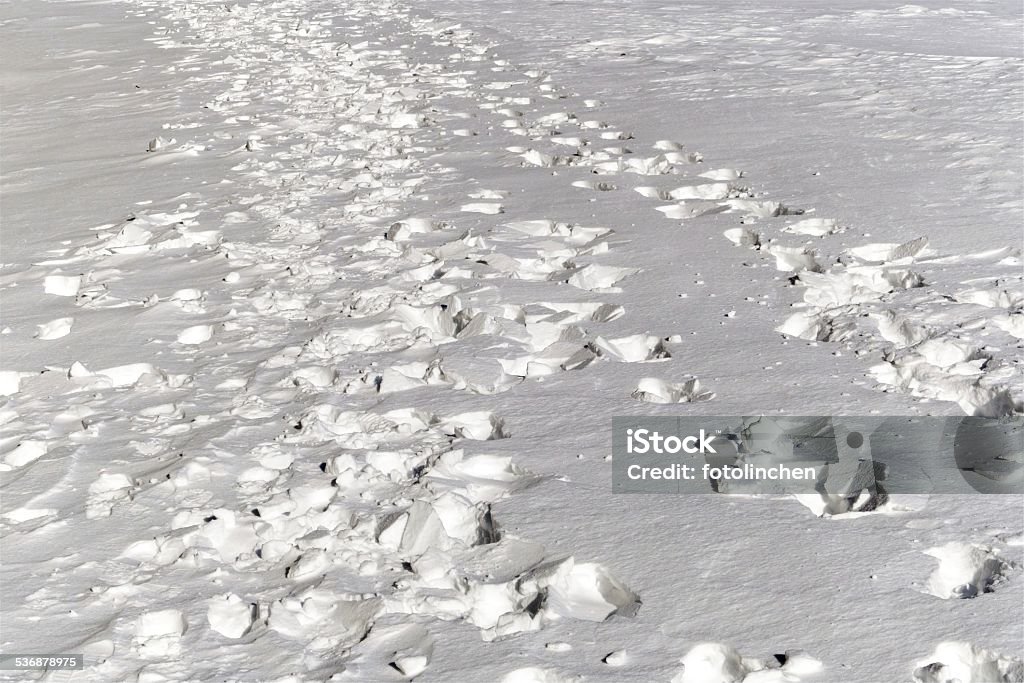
316 313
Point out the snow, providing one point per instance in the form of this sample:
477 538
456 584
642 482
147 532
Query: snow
317 313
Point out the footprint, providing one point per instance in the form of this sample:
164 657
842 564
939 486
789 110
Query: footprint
132 374
889 253
25 452
317 615
106 493
966 570
534 674
753 208
744 237
55 329
684 157
579 312
489 208
1012 323
593 277
159 143
992 297
539 228
653 193
405 648
62 285
556 357
133 238
794 259
840 286
722 174
569 141
25 514
402 230
708 191
600 186
691 209
197 334
443 524
158 634
477 426
656 165
588 591
484 478
10 382
635 348
899 330
961 662
668 146
815 227
534 157
549 592
652 390
489 194
720 663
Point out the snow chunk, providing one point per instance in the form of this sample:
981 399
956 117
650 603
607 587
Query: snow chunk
230 616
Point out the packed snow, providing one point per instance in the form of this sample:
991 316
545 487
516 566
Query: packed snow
316 314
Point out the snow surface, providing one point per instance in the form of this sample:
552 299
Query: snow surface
316 313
